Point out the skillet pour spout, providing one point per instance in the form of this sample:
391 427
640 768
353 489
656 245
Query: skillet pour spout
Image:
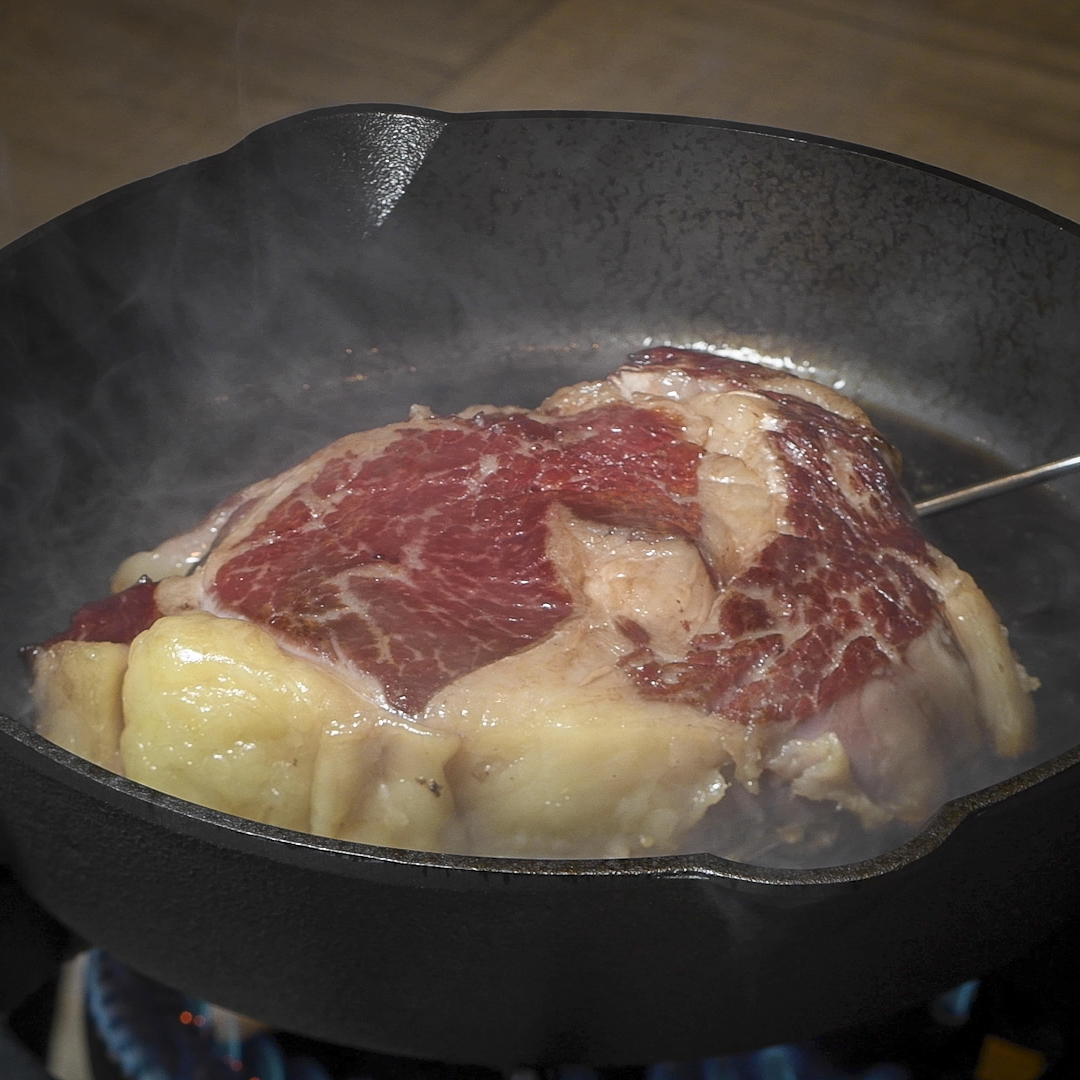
189 333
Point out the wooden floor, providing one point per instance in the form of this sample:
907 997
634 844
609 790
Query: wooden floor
94 93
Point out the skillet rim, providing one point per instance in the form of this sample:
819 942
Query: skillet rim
347 857
447 118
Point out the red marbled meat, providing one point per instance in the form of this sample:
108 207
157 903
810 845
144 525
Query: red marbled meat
694 575
424 567
429 560
421 572
119 618
843 573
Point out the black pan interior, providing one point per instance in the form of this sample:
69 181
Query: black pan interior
198 330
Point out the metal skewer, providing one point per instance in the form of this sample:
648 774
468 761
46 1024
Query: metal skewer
985 490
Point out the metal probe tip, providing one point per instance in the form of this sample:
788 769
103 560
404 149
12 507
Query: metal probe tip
978 492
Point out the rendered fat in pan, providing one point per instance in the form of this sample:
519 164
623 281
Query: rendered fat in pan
340 265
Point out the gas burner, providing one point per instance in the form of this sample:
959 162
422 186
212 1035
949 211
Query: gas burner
1015 1024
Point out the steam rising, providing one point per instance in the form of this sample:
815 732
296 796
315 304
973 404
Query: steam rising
207 328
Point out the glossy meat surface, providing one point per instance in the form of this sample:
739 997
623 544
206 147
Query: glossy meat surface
827 603
684 606
430 560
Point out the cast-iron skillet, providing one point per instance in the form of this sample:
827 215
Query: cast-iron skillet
189 333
